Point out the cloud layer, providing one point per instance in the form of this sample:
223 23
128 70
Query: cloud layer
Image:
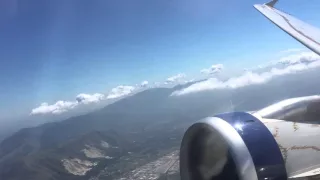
175 78
64 106
120 91
115 93
88 98
297 63
144 84
57 108
214 69
304 57
287 65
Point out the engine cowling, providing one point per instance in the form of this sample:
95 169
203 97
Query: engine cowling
278 142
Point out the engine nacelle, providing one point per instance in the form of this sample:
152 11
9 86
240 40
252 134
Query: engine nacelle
246 146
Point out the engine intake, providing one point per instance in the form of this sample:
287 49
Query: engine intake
244 146
230 146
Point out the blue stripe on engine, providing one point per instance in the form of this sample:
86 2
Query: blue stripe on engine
266 154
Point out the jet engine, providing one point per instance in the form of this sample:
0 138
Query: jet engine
279 142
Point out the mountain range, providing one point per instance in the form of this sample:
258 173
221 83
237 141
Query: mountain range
132 131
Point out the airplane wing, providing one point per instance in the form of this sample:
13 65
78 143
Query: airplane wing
305 34
301 31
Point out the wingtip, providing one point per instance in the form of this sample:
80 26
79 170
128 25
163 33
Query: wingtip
271 3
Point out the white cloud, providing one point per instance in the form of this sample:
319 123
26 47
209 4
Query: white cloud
304 57
213 83
89 98
290 64
144 84
292 56
292 50
175 78
64 106
190 81
250 78
120 91
214 69
57 108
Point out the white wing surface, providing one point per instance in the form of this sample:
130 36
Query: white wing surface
301 31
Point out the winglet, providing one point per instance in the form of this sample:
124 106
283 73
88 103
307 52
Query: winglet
271 3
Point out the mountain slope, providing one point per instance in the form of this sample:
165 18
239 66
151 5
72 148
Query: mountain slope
131 131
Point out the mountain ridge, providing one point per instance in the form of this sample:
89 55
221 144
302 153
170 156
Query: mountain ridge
145 124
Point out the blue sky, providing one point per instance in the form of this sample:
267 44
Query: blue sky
56 49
